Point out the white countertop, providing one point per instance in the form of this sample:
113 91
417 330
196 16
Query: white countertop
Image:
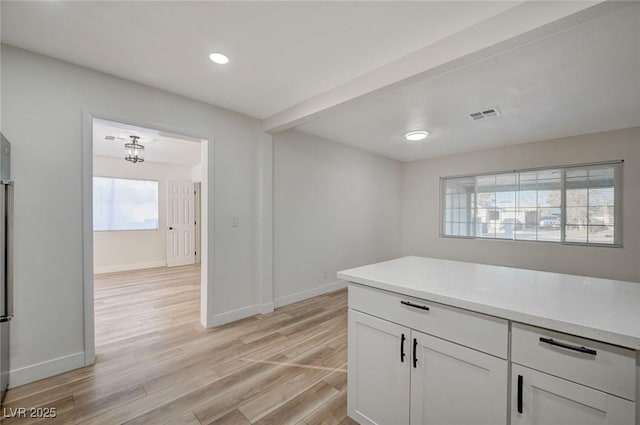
601 309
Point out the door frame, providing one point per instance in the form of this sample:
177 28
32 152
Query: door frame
197 208
87 219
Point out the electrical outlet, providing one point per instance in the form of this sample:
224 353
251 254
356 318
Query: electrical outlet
235 221
325 275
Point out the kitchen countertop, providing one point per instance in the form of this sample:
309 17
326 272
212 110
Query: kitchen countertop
600 309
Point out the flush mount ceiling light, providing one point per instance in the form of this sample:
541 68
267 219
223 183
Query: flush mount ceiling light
416 136
134 151
218 58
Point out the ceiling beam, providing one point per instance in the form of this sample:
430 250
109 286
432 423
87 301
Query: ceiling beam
522 24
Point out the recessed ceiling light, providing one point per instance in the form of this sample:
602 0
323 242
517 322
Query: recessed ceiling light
416 136
218 58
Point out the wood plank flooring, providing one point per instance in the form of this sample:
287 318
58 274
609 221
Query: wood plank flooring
157 365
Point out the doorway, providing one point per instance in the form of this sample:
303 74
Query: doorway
146 212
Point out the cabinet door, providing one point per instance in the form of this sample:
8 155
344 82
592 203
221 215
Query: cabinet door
452 384
541 399
378 378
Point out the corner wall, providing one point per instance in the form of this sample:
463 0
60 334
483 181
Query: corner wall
335 207
421 203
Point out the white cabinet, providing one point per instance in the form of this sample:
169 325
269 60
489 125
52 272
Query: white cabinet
493 345
594 364
455 385
399 376
378 378
565 379
416 362
542 399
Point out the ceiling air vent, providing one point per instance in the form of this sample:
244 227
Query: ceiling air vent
485 113
109 137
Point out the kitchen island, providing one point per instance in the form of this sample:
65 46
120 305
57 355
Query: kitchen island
436 341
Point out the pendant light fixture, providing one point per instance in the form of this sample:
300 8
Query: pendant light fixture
134 151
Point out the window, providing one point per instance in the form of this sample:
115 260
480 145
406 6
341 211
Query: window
577 204
124 204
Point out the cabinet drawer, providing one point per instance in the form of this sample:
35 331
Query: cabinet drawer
540 398
481 332
595 364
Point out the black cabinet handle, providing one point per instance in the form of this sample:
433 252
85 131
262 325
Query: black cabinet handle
415 351
410 304
402 340
580 349
520 393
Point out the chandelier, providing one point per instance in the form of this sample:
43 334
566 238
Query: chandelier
134 151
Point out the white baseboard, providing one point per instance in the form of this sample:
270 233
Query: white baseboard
252 310
319 290
128 267
42 370
266 308
232 316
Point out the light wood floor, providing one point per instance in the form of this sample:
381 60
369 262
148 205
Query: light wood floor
157 365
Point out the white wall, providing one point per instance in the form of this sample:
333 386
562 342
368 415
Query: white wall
43 102
335 207
420 230
135 249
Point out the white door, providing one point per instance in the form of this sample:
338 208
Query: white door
180 224
541 399
378 373
455 385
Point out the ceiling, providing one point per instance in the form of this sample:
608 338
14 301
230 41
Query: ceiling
281 53
365 72
159 146
582 80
